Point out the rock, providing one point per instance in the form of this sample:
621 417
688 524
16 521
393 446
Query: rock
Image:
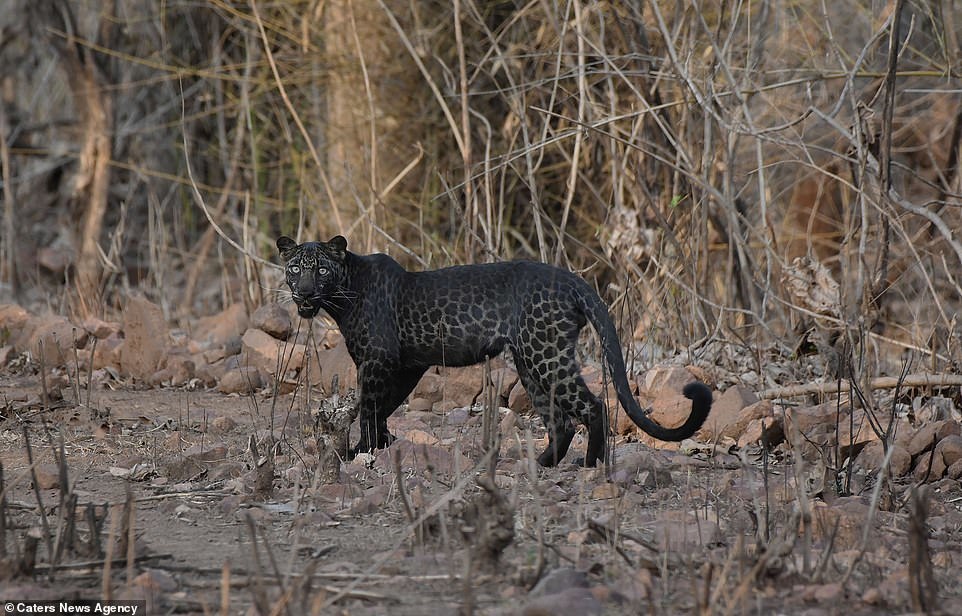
13 318
193 460
420 437
929 434
57 257
617 417
56 337
661 390
815 427
928 467
179 372
430 387
955 471
209 375
240 381
569 601
145 338
504 380
107 352
950 449
216 330
872 457
209 452
509 421
604 491
558 580
936 408
670 408
457 417
182 371
645 468
101 329
222 424
273 319
666 378
519 401
849 514
732 411
420 405
272 356
462 386
768 431
337 361
48 476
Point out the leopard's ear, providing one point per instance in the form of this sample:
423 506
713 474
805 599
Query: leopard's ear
285 246
338 245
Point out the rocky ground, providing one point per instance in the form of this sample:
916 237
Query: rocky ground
192 468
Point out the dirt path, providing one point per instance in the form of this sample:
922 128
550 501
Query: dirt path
662 532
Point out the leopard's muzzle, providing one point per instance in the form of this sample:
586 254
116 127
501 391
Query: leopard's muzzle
307 307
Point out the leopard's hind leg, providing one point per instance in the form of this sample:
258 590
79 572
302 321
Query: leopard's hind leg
548 365
560 429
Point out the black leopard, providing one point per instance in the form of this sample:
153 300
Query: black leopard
398 323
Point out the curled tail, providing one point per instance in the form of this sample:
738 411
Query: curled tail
699 394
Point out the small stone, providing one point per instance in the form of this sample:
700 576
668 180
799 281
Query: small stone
222 424
333 362
240 381
273 319
928 467
873 456
766 430
156 581
462 386
929 434
569 601
48 476
145 338
12 317
558 580
210 452
732 411
950 449
457 417
420 405
605 491
504 380
666 379
955 471
420 437
101 329
270 354
56 337
518 400
216 330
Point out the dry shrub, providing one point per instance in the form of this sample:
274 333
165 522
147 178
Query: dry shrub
680 155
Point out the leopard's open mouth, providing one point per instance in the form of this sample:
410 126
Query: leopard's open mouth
307 310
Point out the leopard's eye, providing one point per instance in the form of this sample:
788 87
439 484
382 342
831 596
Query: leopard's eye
295 269
322 271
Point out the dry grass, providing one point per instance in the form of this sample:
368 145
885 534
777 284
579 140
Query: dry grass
682 156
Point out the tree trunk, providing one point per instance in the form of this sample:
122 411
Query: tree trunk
369 134
92 182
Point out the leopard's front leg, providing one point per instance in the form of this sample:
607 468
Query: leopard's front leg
384 386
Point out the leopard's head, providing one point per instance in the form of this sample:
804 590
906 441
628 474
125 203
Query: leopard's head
315 272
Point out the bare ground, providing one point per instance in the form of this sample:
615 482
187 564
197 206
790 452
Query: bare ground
412 530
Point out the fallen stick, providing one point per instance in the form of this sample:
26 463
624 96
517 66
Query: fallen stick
882 382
